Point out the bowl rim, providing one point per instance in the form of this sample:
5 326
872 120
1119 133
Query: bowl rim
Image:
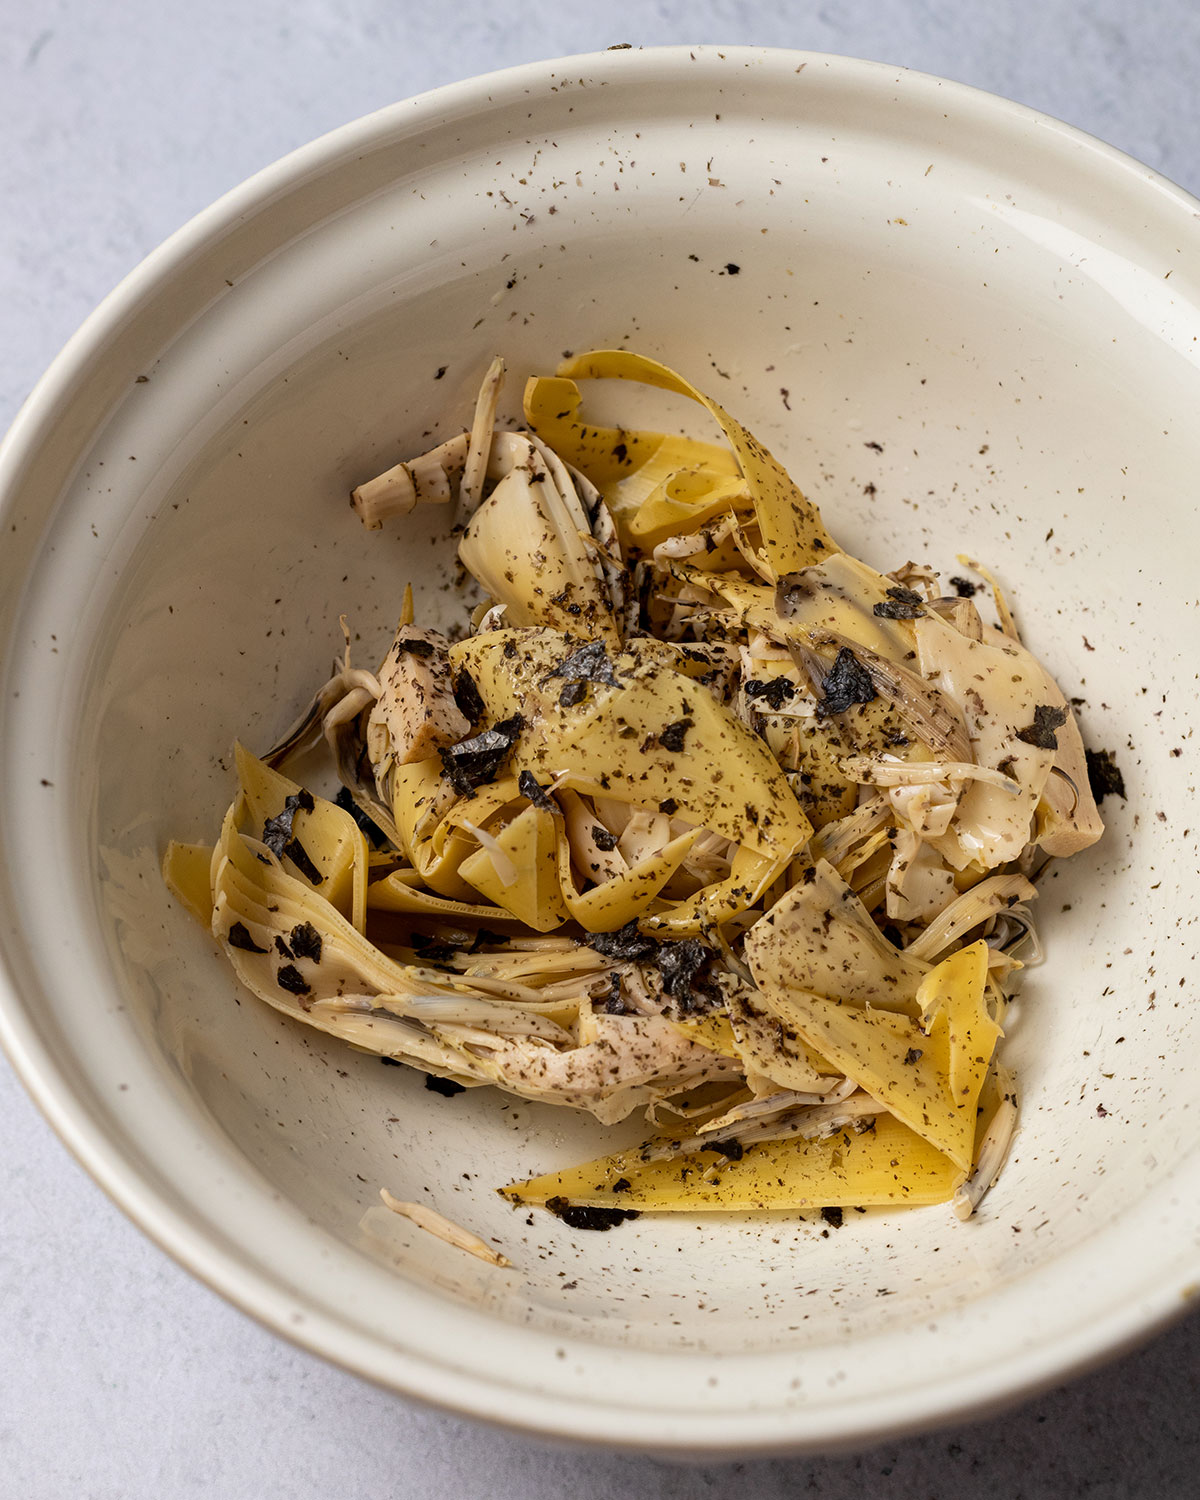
195 1245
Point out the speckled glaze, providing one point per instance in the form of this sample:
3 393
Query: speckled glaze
966 328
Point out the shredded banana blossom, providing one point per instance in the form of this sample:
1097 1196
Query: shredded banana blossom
686 814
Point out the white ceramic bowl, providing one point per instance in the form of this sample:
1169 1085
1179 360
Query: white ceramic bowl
1008 309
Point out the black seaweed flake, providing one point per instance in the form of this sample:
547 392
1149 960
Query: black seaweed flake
1046 719
529 786
626 944
901 604
485 936
832 1217
672 737
622 1185
466 696
964 588
575 1216
305 941
847 682
474 761
733 1150
589 664
298 855
238 936
1104 775
290 978
791 591
679 964
282 948
431 950
914 1055
774 691
572 693
603 839
614 1001
374 834
277 831
414 647
444 1086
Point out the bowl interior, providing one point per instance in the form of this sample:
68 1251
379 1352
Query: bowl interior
964 330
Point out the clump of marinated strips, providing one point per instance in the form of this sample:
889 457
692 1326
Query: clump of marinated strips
701 817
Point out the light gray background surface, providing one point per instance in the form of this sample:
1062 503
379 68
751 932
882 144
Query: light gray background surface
120 1377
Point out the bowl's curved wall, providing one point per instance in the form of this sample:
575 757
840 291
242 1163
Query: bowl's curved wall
965 328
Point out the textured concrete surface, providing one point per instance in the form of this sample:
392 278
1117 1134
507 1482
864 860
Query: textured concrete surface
120 1377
